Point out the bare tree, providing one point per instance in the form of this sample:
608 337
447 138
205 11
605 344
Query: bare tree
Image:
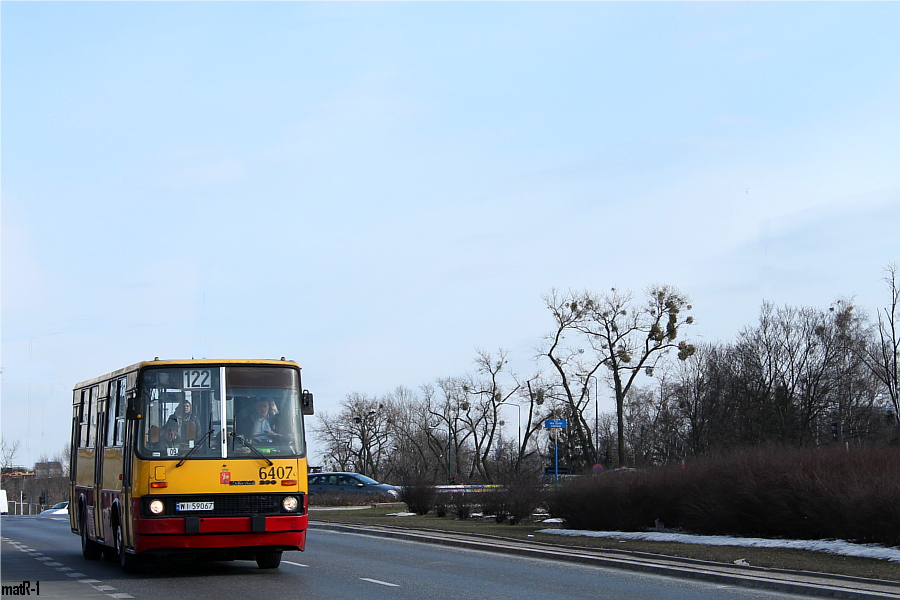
884 358
418 446
358 437
572 366
625 337
490 394
532 396
633 338
8 452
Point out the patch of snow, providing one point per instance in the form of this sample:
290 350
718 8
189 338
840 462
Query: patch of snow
401 514
830 546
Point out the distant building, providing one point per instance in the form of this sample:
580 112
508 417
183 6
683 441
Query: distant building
48 470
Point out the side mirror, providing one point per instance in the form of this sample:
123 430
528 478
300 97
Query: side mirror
132 410
306 402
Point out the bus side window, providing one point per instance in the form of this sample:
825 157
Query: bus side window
120 414
77 410
85 415
112 398
93 417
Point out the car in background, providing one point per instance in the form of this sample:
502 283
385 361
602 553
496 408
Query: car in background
350 483
61 508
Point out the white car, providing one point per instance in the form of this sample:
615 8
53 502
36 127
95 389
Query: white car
61 508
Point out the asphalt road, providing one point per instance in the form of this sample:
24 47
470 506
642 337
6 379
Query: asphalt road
335 566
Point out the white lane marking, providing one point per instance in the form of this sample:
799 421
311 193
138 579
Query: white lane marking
287 562
379 582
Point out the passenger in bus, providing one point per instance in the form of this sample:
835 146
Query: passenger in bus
186 420
169 441
263 420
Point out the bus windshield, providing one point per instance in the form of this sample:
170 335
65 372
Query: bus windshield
184 413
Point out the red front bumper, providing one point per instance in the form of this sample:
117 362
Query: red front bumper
286 532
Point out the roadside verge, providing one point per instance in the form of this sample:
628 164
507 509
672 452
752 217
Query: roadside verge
797 582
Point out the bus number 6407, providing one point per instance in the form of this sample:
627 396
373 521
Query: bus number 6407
275 472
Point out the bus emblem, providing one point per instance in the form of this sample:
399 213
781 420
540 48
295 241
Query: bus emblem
225 477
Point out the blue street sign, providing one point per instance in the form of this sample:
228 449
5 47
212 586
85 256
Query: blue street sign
556 424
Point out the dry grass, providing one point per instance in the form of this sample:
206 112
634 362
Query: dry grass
761 557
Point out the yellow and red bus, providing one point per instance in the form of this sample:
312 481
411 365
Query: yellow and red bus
200 457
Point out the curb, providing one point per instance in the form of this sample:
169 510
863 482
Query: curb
807 584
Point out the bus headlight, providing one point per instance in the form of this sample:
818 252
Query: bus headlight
157 507
290 504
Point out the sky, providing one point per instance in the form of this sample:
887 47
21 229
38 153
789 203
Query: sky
376 190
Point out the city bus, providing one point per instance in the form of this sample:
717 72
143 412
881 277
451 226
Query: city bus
197 457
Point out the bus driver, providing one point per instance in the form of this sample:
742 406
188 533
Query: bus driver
262 421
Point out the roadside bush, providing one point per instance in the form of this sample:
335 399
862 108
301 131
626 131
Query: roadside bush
524 496
460 504
621 500
418 496
493 503
344 499
799 493
773 492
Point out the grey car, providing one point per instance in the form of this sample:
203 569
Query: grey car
350 483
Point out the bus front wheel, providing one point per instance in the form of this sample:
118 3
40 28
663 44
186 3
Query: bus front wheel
268 558
130 563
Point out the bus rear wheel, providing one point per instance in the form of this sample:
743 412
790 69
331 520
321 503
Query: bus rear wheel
90 549
268 558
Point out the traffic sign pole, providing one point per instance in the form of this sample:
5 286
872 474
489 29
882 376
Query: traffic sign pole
556 425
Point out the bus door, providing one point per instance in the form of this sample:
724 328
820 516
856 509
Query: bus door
129 428
77 417
99 399
111 480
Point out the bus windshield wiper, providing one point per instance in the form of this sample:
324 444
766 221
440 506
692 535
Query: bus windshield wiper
194 449
255 451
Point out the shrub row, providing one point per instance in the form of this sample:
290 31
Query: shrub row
347 499
851 494
514 503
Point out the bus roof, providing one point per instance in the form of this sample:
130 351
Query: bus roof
186 362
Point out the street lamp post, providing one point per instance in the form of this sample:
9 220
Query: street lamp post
519 428
447 456
596 415
364 439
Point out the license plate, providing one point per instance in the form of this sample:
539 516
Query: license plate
182 506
